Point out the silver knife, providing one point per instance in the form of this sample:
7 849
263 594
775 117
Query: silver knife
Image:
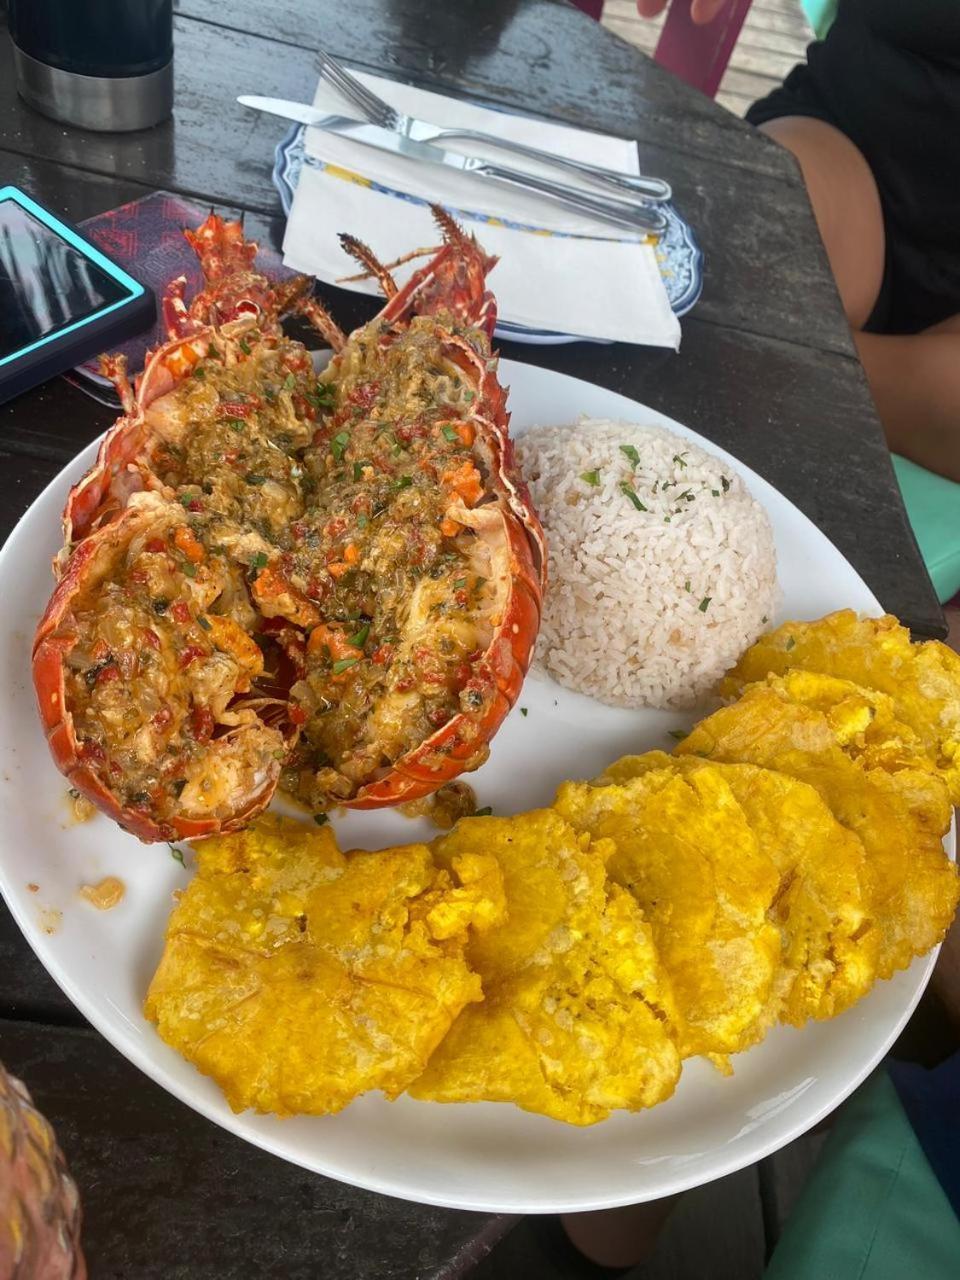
616 212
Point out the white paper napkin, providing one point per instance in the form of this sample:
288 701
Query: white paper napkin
558 271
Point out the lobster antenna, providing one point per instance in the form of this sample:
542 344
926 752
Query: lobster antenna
370 262
448 226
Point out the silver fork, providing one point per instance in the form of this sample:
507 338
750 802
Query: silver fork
380 113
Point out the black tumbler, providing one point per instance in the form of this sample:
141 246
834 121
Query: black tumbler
99 64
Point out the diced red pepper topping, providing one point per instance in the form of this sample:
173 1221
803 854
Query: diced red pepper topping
163 719
238 408
189 655
181 612
461 675
151 638
109 673
91 751
202 724
297 715
156 545
365 394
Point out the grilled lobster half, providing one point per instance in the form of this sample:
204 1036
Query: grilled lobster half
272 577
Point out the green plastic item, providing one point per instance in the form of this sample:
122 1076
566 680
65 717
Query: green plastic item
820 15
933 505
873 1208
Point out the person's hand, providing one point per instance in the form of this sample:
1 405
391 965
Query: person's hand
701 11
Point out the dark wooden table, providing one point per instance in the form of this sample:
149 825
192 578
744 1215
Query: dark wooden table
767 370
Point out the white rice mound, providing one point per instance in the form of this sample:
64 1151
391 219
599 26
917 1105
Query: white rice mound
645 608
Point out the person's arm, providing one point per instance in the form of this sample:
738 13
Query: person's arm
701 11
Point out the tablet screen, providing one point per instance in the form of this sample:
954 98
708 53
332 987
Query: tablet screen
45 283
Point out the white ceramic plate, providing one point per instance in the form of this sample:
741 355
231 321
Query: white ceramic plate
483 1156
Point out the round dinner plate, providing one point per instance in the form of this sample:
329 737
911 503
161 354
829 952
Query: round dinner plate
482 1156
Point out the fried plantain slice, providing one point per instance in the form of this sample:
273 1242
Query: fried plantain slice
923 680
299 977
687 854
578 1017
829 946
900 817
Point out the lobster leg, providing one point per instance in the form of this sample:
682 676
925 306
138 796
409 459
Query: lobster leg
368 259
115 368
323 322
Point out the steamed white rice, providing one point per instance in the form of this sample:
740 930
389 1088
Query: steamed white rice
645 608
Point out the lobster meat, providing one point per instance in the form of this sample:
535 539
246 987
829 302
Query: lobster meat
271 577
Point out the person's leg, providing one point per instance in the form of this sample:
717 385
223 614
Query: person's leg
915 382
846 204
914 378
619 1237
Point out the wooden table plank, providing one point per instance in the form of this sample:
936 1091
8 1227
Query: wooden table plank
541 56
168 1196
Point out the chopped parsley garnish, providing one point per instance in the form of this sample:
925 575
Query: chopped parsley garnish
628 491
631 452
685 495
236 424
359 638
258 560
186 498
202 622
252 478
704 604
686 585
289 382
790 643
338 444
358 468
764 619
524 711
189 569
321 819
322 397
362 522
459 584
469 396
591 477
725 482
199 371
715 492
176 855
244 346
403 482
213 352
449 433
344 664
485 812
678 735
679 459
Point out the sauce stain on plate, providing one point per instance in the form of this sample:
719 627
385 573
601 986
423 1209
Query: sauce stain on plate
105 894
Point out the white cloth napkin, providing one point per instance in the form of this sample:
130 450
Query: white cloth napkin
558 271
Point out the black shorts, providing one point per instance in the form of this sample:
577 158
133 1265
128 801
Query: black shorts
888 76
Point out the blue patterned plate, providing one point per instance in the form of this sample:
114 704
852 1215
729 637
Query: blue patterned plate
678 255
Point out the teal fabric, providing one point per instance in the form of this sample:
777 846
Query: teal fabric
872 1209
820 15
933 505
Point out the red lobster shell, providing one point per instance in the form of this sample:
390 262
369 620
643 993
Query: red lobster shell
116 505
